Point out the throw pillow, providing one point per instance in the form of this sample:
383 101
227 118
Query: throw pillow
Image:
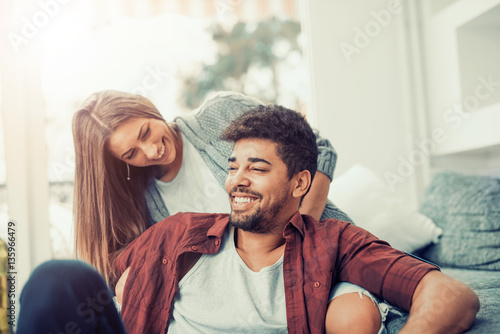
364 196
467 208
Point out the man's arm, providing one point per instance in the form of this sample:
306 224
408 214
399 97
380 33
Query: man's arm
315 200
441 304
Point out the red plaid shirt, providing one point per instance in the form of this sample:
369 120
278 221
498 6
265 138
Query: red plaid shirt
317 255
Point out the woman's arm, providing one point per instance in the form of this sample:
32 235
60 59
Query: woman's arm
314 202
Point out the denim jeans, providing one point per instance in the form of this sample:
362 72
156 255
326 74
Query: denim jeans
345 287
67 296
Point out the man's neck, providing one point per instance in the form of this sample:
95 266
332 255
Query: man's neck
259 250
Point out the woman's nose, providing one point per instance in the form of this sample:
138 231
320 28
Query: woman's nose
150 150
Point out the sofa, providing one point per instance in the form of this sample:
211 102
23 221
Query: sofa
456 227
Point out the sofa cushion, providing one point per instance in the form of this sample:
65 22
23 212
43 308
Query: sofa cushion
364 196
467 208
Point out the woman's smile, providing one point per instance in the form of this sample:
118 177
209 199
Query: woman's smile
160 156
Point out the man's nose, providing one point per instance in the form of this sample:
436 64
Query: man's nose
240 179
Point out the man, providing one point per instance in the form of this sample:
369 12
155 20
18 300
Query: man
266 268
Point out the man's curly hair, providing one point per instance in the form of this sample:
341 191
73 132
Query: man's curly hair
287 128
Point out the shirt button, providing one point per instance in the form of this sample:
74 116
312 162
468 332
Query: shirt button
317 284
217 242
164 261
194 248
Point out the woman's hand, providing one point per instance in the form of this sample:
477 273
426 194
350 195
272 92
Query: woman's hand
315 200
120 286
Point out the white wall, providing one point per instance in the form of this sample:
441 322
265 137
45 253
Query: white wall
361 100
462 53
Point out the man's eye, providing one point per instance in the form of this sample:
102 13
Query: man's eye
232 168
259 170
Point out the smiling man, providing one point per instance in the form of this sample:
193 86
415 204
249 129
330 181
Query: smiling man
266 268
257 209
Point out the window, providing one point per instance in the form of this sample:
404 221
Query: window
174 52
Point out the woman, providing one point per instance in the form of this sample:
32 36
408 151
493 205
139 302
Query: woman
134 169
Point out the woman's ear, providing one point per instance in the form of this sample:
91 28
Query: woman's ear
302 184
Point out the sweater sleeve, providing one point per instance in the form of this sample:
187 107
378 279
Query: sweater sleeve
327 157
204 126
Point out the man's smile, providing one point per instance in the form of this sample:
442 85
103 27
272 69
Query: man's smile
241 200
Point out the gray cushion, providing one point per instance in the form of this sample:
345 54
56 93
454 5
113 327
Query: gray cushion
467 208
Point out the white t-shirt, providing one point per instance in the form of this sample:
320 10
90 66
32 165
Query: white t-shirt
220 294
194 188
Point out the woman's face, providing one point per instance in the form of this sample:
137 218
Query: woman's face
143 142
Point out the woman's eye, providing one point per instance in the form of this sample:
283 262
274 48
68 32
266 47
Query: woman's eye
131 155
145 133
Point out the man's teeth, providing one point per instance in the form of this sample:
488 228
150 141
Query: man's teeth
243 199
162 152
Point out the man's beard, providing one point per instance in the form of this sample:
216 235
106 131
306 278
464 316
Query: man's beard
258 222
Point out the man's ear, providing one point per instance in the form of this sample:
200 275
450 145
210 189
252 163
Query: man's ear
302 183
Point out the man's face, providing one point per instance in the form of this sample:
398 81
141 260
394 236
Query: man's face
258 186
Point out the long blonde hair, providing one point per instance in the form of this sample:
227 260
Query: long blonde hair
110 211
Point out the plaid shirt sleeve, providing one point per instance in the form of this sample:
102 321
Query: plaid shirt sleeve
373 264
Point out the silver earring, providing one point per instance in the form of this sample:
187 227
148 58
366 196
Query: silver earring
128 173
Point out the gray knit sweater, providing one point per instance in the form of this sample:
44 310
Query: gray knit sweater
203 128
